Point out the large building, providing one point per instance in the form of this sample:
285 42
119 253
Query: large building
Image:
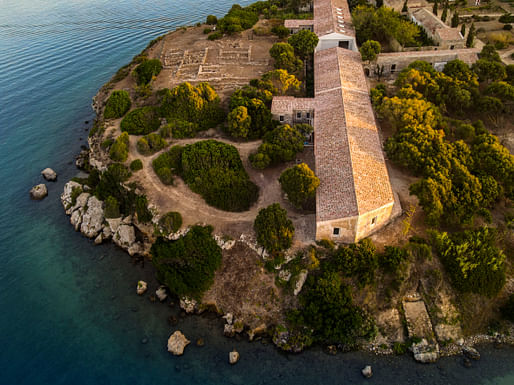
355 197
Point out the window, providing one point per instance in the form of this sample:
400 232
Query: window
374 221
298 115
281 118
336 231
452 47
308 115
344 44
393 68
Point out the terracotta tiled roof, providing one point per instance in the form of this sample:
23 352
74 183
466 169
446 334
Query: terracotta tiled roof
282 104
348 152
434 25
467 55
294 23
332 16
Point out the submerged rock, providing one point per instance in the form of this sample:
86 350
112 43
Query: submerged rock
471 352
161 293
142 286
233 357
38 192
49 174
177 343
367 372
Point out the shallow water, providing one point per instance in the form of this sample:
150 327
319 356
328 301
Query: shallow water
69 310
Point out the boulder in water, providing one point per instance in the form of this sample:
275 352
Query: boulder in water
49 174
38 192
177 343
142 286
471 352
367 372
233 357
161 293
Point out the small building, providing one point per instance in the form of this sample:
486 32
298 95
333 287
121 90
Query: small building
333 25
444 36
394 62
296 25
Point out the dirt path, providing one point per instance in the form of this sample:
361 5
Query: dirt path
193 208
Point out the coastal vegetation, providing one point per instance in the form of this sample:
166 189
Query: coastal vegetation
186 266
141 121
136 165
150 144
280 145
117 105
119 149
170 222
274 230
168 164
147 70
300 184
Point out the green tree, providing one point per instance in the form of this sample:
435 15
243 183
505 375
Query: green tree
282 82
170 222
405 8
281 31
117 105
434 8
274 230
187 266
463 30
280 145
369 50
136 165
141 121
444 15
357 260
471 36
304 42
488 71
211 19
239 122
455 19
119 149
300 184
145 71
327 308
489 53
112 208
283 54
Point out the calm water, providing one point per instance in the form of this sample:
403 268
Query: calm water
69 313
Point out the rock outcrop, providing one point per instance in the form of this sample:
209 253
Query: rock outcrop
189 305
367 372
49 174
38 192
302 277
93 218
233 357
142 286
177 343
471 352
161 293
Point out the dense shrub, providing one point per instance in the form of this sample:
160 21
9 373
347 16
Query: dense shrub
281 31
274 230
186 266
215 35
119 149
211 19
112 208
199 105
356 260
136 165
327 308
280 145
180 129
280 82
304 42
145 71
392 258
207 31
168 163
238 19
283 54
256 101
239 122
472 260
300 184
144 215
170 222
215 171
150 144
141 121
117 105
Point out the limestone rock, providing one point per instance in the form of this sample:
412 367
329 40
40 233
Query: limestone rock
134 249
106 232
66 195
125 236
38 192
229 317
471 352
142 286
367 372
302 277
228 330
114 223
82 159
260 329
177 343
189 305
76 219
284 275
81 201
93 218
99 239
233 357
425 352
161 293
49 174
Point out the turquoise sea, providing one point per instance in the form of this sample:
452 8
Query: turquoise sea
68 309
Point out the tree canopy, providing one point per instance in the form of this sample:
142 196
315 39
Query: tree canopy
304 42
300 184
274 230
117 105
